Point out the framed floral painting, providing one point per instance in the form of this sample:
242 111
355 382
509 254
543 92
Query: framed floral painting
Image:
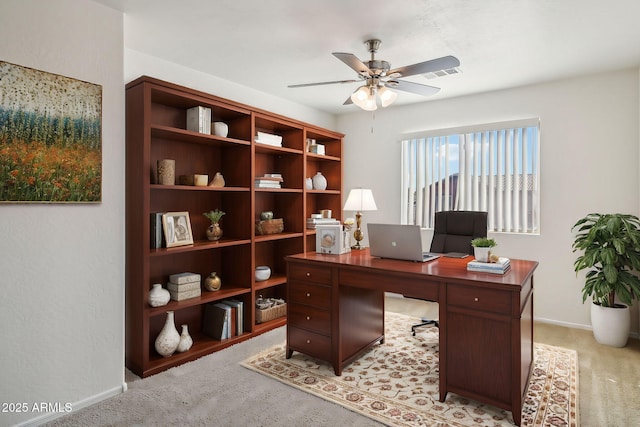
50 137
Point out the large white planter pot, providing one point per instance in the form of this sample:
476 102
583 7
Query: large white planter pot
611 325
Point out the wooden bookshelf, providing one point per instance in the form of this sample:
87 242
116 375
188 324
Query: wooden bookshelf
155 130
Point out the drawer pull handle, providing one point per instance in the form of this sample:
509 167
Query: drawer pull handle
308 318
308 274
308 294
476 299
308 341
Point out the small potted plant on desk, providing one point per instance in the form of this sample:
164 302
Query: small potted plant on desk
482 248
611 252
214 232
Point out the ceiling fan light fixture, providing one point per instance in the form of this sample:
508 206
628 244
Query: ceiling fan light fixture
365 98
387 96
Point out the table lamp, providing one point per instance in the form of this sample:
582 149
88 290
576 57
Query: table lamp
360 199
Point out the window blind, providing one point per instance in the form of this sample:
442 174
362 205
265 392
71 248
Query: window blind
492 168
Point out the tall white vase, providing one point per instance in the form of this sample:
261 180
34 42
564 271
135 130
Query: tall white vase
169 338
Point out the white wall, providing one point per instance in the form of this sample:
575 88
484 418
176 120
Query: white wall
62 304
138 64
589 163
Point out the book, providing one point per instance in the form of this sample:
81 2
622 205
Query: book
214 321
157 233
239 309
499 267
199 119
186 277
227 320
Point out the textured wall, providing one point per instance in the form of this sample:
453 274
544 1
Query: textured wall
62 303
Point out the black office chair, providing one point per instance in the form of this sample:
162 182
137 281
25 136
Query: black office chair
453 231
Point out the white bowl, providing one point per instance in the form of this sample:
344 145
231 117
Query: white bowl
263 272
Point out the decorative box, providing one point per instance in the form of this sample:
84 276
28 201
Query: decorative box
269 226
271 313
332 239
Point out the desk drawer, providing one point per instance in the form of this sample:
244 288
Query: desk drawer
309 294
407 285
309 318
475 298
310 343
310 273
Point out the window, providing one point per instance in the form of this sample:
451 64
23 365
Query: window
493 168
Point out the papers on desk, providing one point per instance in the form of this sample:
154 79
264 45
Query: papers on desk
499 267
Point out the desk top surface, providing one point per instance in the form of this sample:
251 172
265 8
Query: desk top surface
442 268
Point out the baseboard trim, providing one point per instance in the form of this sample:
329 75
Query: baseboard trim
632 334
91 400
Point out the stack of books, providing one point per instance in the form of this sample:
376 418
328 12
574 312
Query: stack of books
223 320
313 222
269 180
499 267
183 286
199 119
269 139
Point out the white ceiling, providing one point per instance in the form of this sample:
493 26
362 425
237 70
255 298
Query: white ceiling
269 44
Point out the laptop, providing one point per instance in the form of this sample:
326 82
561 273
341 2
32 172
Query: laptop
398 242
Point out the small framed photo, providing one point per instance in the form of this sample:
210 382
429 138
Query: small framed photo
331 239
177 229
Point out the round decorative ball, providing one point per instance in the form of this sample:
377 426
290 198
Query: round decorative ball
266 215
263 272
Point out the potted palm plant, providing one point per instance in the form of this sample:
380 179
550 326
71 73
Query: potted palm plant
610 245
482 248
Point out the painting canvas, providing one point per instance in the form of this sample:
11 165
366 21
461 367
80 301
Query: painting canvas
50 137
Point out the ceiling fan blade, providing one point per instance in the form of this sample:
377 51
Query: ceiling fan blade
416 88
431 66
354 63
323 83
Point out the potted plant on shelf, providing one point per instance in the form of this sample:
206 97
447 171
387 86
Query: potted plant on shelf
214 232
611 254
482 248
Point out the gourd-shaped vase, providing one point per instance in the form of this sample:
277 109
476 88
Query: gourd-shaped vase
319 182
169 338
185 340
217 181
213 282
158 296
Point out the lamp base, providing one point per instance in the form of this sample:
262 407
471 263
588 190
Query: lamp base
358 247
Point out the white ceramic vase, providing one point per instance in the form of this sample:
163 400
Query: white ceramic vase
185 340
169 338
611 325
319 182
158 296
308 183
220 129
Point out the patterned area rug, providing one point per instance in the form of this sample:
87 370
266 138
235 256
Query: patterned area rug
396 383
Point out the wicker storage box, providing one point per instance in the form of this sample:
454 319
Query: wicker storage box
270 226
271 313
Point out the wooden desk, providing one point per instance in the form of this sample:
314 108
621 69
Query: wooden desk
336 310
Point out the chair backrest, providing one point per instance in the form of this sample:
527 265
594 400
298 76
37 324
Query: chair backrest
454 230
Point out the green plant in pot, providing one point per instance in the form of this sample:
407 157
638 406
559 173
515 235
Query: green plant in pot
482 248
610 245
214 232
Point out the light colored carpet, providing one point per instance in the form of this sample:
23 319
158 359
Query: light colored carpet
396 383
217 390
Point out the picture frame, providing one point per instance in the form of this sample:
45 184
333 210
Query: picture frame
332 239
50 137
177 229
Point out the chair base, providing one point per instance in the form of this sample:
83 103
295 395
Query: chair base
425 322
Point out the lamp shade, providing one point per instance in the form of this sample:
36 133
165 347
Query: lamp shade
360 199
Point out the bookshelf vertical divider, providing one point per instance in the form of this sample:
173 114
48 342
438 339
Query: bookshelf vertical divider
156 129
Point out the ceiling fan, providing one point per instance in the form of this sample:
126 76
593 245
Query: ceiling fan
378 77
